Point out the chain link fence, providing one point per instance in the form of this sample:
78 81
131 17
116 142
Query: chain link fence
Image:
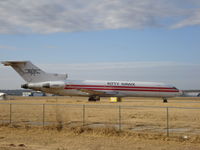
168 120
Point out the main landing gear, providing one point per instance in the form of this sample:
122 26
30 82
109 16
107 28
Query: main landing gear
165 100
94 98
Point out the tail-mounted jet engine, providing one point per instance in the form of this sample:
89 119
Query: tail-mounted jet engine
52 84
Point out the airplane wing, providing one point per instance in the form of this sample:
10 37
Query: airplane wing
100 93
93 92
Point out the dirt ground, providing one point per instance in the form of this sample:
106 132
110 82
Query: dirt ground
40 139
49 138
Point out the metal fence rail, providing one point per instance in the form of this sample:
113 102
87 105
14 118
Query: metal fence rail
171 120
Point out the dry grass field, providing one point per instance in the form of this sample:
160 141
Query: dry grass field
95 125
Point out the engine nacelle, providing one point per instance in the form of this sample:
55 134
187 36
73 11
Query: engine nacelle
54 85
50 84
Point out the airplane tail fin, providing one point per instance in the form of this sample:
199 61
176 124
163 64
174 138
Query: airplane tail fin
31 73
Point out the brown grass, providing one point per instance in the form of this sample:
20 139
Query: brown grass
66 131
87 138
67 115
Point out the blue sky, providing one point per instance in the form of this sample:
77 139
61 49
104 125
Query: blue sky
92 35
180 45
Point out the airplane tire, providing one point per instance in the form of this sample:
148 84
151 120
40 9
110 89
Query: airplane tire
165 100
93 98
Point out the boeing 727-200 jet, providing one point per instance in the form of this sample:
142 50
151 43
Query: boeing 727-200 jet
58 84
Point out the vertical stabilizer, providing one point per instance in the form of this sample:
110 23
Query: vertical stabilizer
31 73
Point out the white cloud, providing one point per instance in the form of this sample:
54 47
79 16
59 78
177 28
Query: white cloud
111 65
5 47
193 19
49 16
182 75
51 47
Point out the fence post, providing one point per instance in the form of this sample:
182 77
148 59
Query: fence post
43 114
167 122
119 117
10 114
83 119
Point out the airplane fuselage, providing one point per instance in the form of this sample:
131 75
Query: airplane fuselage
58 84
113 89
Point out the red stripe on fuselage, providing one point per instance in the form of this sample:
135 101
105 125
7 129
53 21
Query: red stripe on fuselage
119 88
143 87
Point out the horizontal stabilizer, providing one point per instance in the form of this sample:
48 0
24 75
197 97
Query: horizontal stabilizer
10 63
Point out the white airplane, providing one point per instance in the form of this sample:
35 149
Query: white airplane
59 84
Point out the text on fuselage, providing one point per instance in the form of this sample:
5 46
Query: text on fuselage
121 84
